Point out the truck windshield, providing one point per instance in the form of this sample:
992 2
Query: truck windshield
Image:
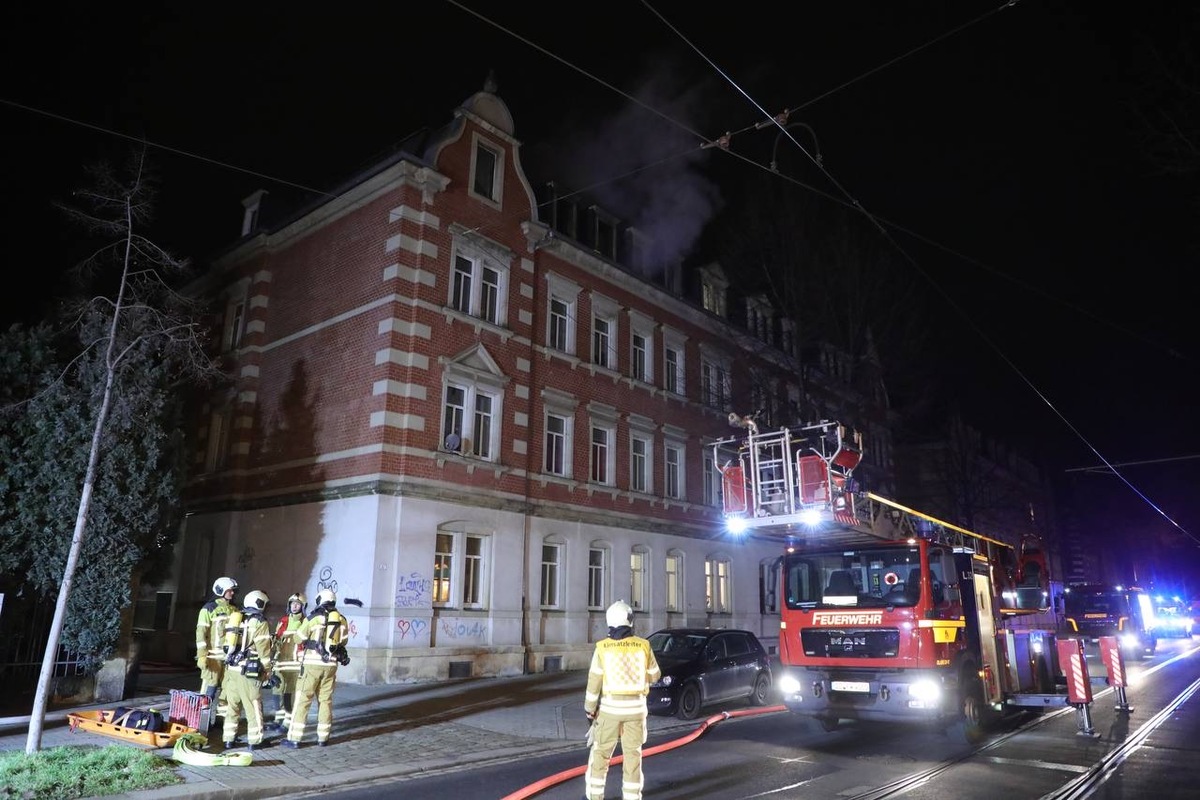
871 577
1095 602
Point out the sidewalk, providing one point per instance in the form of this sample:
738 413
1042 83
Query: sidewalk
378 732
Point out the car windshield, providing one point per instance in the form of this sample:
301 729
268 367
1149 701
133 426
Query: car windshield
676 645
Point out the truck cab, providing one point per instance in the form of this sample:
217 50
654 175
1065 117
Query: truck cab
1126 612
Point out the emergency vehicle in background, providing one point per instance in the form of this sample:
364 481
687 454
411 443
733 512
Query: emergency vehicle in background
886 613
1095 610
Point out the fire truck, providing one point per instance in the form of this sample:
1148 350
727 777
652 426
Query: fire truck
886 613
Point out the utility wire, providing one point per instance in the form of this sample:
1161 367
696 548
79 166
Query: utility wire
949 299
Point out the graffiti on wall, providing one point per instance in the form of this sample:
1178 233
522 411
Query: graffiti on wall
325 580
412 631
414 590
464 629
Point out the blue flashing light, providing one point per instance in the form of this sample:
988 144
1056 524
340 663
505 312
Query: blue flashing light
736 525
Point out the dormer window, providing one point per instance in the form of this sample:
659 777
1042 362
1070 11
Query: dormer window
486 163
760 318
604 233
252 206
712 289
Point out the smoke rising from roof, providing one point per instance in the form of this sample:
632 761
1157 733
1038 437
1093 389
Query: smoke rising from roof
640 167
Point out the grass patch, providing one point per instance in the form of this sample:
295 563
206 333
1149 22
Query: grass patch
65 773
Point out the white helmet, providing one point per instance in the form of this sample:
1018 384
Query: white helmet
326 597
255 601
298 597
223 585
618 614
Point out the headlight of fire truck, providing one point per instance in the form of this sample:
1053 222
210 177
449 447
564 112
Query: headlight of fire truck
1129 640
789 685
928 692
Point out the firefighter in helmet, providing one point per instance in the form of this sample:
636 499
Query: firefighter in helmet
286 639
323 639
210 639
623 667
248 664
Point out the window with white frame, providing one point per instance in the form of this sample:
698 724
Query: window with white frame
717 598
641 347
486 170
714 382
673 363
673 470
235 325
479 277
558 437
674 581
604 331
470 419
551 574
712 480
604 340
460 564
561 314
639 578
603 453
597 577
640 459
558 432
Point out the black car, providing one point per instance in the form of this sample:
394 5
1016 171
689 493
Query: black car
701 666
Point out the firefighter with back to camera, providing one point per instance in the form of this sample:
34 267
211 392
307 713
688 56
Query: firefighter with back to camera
286 639
623 667
248 664
210 641
322 648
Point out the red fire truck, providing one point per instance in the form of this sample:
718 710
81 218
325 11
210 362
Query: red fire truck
886 613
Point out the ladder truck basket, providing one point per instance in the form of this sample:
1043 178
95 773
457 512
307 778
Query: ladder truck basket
187 707
733 490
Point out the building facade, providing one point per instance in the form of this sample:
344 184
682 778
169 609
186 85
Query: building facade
481 429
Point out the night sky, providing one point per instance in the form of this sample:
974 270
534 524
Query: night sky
1005 149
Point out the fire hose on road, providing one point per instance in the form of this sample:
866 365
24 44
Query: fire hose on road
537 787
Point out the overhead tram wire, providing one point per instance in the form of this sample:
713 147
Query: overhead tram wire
683 153
945 295
707 143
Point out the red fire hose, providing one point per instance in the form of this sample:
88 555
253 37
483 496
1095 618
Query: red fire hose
553 780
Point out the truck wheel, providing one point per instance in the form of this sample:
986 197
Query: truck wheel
976 713
689 702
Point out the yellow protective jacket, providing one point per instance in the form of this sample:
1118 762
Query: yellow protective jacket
620 676
210 625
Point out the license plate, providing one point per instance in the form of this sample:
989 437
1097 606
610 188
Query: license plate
850 686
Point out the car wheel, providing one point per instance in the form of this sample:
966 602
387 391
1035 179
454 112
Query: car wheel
828 724
762 687
689 702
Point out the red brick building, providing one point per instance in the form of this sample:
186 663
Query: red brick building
483 429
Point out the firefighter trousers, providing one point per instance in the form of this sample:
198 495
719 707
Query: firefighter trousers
315 683
607 731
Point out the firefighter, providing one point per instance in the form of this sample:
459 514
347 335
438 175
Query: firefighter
623 667
286 634
248 664
210 638
322 648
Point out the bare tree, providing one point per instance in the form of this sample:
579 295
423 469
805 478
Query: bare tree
143 311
